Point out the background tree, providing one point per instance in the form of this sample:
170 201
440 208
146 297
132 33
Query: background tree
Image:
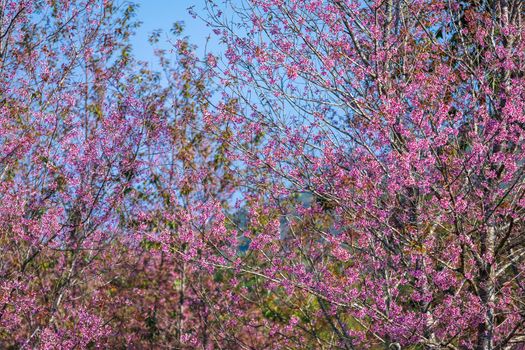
170 295
71 130
99 156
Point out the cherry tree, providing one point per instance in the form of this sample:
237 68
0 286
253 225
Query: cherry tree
107 178
169 293
379 147
73 124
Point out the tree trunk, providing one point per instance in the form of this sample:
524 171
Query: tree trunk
486 292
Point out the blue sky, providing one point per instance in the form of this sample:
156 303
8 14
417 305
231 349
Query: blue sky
161 14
